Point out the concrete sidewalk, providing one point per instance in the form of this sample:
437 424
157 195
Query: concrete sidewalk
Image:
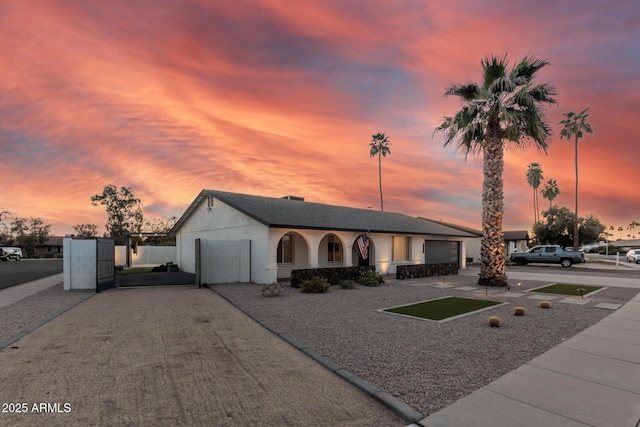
15 293
592 379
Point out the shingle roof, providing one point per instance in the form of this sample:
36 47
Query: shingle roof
516 235
285 213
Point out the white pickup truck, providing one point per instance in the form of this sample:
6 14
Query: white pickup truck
549 254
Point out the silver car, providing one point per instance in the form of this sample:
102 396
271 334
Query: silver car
634 256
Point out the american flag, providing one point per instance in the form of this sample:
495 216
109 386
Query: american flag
363 245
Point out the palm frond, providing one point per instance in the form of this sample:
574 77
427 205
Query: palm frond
493 68
527 68
467 92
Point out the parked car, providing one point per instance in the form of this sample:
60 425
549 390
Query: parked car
634 256
7 254
550 254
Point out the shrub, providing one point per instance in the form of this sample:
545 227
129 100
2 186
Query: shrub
347 284
495 322
371 279
545 304
315 285
519 311
271 290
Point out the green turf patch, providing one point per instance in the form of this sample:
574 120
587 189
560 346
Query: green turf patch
443 308
567 289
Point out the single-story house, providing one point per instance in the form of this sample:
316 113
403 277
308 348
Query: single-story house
516 241
51 248
228 237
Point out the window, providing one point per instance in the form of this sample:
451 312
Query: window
401 248
285 249
334 249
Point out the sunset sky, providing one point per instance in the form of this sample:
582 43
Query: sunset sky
278 97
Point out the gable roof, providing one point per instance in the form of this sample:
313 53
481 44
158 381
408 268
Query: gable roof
476 233
516 235
292 213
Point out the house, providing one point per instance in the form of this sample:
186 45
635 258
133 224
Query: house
228 237
516 241
51 248
471 243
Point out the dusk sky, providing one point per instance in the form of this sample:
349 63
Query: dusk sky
278 97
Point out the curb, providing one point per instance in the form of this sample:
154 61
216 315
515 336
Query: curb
399 408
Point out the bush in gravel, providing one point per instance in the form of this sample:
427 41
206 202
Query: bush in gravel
315 285
519 311
495 322
371 279
545 304
347 284
271 290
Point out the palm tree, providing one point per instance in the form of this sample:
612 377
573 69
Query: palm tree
506 106
550 190
534 178
621 229
574 125
380 146
632 228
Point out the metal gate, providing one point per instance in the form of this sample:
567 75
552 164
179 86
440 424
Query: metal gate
105 264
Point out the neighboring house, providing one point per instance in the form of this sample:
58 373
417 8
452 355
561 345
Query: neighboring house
228 237
626 244
516 241
52 248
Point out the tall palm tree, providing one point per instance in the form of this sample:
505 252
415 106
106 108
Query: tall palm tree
379 146
632 228
550 190
534 178
574 124
505 106
620 229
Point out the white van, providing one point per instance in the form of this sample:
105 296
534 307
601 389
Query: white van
7 254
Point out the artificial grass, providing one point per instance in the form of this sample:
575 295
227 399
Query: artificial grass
567 289
442 308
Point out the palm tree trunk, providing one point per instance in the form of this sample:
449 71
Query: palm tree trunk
576 237
380 179
492 268
535 216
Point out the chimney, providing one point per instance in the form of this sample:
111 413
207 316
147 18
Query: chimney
301 199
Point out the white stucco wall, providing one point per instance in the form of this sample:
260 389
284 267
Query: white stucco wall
79 263
218 223
146 255
311 252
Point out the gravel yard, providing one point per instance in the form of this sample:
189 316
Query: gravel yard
425 364
37 308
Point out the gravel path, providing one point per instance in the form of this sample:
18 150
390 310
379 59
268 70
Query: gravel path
33 310
425 364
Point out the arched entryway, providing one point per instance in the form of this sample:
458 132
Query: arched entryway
292 253
331 251
363 252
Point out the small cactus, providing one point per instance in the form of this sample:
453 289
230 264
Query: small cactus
495 322
519 311
545 304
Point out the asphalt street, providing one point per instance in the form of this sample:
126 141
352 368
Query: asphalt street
16 272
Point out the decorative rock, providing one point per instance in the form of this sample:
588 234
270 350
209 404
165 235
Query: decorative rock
545 304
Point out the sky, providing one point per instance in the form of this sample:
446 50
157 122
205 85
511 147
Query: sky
278 97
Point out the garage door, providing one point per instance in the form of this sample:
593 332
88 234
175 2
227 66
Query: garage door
441 252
